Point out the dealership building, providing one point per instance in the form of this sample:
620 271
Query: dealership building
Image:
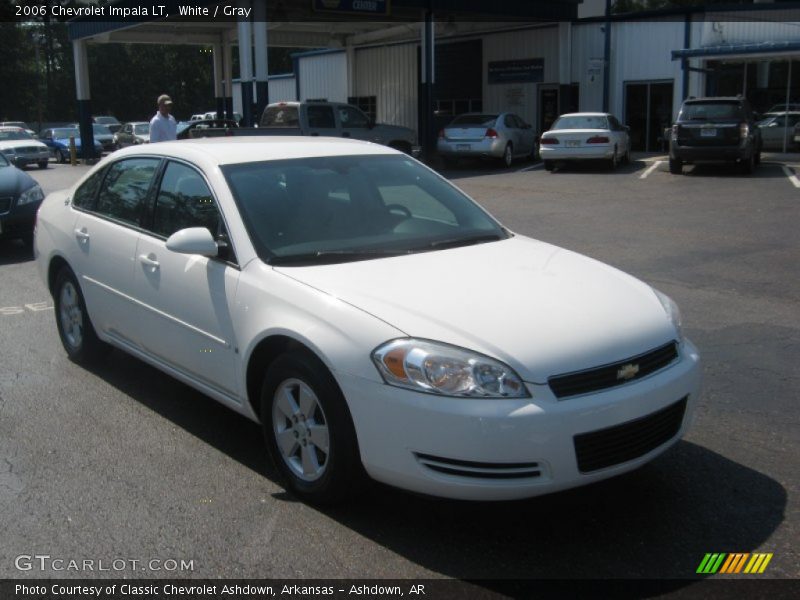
418 63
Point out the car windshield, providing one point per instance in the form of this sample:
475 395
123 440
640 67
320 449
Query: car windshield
15 134
142 128
62 134
581 122
474 121
336 209
101 130
711 111
17 124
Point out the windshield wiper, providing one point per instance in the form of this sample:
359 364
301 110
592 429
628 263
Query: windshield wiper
332 256
461 241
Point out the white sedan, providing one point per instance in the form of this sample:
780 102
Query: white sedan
585 136
374 319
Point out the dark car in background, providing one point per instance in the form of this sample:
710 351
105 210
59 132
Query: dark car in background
57 140
20 197
720 129
198 128
108 121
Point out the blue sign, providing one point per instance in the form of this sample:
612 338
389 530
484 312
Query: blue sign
363 7
529 70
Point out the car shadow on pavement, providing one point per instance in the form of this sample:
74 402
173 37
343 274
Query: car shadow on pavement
13 252
657 522
763 171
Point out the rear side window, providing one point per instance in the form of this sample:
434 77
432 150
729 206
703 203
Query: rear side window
124 192
84 196
320 117
184 200
280 116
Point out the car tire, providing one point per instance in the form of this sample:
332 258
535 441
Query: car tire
549 165
43 164
61 156
72 319
613 162
319 463
508 156
675 166
748 165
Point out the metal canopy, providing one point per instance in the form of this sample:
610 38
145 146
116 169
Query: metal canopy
739 50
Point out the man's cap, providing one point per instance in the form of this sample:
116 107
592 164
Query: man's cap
164 99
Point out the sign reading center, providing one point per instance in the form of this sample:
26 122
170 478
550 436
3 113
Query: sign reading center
528 70
366 7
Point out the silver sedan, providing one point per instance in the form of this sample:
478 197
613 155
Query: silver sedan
504 136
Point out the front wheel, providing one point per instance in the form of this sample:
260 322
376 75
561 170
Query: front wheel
74 326
675 166
309 431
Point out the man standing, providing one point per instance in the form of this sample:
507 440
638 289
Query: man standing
163 127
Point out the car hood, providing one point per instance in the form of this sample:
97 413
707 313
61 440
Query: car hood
13 181
541 309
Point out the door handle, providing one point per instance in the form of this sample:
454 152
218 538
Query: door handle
149 260
82 235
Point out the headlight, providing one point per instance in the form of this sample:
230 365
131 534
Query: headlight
34 194
437 368
673 312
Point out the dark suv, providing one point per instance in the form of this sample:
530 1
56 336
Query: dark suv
715 130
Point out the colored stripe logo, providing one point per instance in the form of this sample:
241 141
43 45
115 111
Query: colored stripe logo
734 563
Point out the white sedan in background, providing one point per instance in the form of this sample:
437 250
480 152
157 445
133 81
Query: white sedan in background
373 318
585 136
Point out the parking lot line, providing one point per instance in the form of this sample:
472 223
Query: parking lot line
650 169
791 176
531 168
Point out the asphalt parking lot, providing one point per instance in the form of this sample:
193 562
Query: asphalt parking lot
124 462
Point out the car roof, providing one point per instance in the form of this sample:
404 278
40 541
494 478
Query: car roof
236 150
586 114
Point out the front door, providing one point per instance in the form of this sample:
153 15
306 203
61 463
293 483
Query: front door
548 106
186 300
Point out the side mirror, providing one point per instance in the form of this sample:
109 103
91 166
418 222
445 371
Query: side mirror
193 240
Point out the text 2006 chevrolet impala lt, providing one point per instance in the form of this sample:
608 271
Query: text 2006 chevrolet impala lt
373 318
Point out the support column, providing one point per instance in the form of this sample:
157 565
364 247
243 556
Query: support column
84 100
607 59
219 77
565 99
428 61
262 54
227 69
245 31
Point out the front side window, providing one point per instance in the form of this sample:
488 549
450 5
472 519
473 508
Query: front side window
350 117
124 191
352 207
184 200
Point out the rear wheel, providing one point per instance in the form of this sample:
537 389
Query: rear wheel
675 166
508 156
74 326
613 162
748 165
309 431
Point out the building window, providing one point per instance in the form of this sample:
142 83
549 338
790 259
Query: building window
367 104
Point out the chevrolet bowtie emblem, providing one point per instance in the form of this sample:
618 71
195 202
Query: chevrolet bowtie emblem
628 371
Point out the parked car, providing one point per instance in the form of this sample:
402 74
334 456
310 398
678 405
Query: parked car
503 136
20 198
778 127
317 287
22 149
133 134
585 136
200 128
108 121
791 107
199 117
57 140
212 114
331 119
20 124
720 129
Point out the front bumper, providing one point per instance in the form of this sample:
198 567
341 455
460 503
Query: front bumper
19 221
560 152
710 153
399 431
21 160
486 148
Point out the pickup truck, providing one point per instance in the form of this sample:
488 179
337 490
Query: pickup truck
332 119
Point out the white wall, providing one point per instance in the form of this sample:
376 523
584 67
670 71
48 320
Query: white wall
541 42
390 74
282 89
323 76
587 65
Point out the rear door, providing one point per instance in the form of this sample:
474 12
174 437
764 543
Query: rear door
321 120
185 301
110 207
